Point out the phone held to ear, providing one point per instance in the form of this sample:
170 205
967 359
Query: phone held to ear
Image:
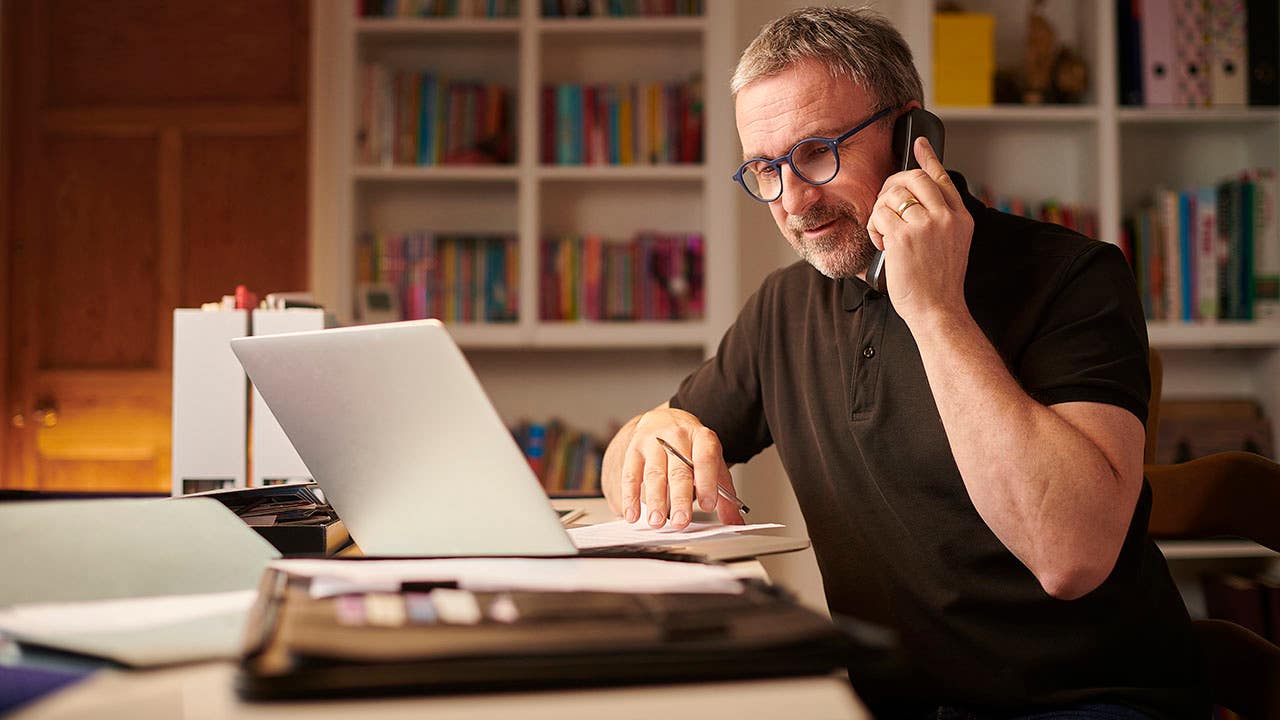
906 129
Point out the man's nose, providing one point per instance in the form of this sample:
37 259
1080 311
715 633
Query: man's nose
797 195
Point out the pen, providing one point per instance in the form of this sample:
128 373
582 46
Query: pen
724 492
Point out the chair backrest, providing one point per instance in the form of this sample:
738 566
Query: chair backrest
1225 494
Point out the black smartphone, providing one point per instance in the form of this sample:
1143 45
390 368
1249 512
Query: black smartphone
906 129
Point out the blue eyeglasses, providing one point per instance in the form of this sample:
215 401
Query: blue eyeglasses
815 160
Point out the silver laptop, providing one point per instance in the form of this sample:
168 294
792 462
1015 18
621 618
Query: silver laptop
396 429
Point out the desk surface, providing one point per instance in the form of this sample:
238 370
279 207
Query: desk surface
205 691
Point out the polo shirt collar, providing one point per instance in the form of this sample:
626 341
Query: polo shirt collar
854 291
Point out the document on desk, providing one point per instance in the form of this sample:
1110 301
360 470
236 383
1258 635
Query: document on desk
139 632
141 582
621 532
337 577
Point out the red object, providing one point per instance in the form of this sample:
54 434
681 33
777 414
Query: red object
245 300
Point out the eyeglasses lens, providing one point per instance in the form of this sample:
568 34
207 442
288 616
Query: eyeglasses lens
815 161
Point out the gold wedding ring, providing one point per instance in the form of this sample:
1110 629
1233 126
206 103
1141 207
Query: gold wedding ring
906 204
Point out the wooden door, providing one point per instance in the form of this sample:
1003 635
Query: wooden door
155 157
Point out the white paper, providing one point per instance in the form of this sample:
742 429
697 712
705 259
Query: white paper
122 615
621 532
335 577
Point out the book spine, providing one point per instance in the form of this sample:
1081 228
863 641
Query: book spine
1266 247
626 125
1187 254
1206 254
1168 200
697 261
366 125
1247 216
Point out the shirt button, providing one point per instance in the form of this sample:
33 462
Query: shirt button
868 352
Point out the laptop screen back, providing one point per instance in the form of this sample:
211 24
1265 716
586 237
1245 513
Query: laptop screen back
395 428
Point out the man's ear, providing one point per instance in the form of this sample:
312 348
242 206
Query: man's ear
911 105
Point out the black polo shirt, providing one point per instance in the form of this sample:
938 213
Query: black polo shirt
830 374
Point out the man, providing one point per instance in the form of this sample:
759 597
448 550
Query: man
976 436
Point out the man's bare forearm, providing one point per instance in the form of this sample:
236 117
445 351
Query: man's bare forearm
1043 487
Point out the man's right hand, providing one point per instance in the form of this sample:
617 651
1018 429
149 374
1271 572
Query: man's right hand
638 468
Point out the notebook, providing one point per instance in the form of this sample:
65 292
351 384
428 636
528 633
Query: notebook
401 437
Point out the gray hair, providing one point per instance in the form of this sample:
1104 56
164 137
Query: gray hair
854 44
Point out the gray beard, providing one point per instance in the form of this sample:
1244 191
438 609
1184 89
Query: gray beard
842 253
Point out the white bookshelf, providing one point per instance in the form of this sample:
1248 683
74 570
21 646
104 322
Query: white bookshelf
1108 156
1221 335
589 373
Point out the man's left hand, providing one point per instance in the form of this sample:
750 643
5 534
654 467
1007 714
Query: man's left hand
927 246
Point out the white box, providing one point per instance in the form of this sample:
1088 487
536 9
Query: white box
274 459
210 400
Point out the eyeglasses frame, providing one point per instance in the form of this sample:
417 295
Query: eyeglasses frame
833 143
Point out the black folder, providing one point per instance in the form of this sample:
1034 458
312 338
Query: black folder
299 646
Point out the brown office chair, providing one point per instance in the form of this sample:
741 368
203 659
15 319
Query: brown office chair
1225 494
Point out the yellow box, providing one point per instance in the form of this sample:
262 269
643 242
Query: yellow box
964 58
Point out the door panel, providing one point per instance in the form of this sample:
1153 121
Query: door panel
243 219
163 52
99 255
155 157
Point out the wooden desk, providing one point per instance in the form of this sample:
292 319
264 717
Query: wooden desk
206 691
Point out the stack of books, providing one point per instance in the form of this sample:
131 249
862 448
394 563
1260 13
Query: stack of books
1209 253
437 8
627 124
653 276
566 461
413 118
457 278
1072 216
620 8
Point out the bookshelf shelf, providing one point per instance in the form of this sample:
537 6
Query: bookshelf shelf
622 26
1021 113
1214 335
650 334
1212 549
487 335
438 173
580 335
692 173
382 27
1243 115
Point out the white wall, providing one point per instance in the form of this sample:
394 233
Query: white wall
761 250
